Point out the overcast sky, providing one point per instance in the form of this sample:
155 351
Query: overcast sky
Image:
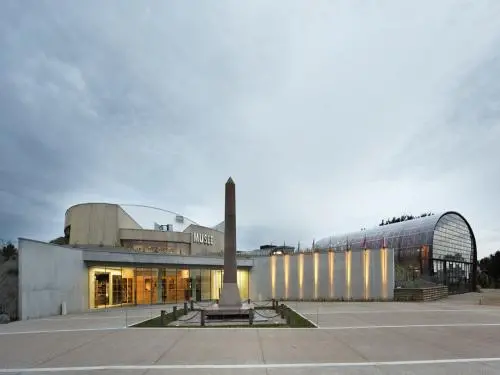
329 116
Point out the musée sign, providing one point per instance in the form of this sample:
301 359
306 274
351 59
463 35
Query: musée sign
203 238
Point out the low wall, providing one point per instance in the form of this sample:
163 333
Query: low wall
421 294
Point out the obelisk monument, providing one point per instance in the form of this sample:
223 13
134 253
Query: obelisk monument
230 294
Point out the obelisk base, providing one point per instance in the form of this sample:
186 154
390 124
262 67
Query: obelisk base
230 296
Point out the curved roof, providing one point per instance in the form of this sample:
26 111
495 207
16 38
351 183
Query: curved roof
411 233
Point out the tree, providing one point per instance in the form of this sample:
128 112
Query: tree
403 218
490 267
9 251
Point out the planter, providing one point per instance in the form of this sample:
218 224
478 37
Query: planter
421 294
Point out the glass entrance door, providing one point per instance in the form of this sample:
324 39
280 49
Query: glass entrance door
101 292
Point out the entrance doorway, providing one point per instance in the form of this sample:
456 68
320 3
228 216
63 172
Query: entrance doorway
101 292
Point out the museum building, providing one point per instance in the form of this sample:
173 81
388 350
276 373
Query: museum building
108 231
106 259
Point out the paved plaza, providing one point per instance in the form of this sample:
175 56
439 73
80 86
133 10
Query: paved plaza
457 335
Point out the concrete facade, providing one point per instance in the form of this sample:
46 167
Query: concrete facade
97 224
108 225
51 274
310 276
48 276
214 245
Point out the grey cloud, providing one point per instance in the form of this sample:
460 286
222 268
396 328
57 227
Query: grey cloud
329 118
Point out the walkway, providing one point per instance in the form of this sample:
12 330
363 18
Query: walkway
453 336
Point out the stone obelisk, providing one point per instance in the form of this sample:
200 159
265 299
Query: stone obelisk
230 294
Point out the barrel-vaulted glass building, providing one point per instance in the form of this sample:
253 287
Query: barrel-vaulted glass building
440 248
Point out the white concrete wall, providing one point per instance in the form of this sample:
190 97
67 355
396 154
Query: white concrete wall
48 276
363 285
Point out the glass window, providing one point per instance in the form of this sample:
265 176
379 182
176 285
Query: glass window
206 285
128 286
243 281
110 286
169 282
183 285
216 283
452 240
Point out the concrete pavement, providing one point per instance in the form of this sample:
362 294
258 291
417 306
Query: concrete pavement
452 336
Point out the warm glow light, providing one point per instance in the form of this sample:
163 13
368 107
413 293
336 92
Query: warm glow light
273 276
300 269
366 268
216 283
331 265
383 271
348 255
286 268
316 272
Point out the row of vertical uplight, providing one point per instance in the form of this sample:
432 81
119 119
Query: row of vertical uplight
366 254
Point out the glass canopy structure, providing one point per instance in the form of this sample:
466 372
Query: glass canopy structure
438 247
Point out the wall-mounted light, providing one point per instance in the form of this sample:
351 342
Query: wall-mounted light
286 269
316 273
348 257
273 276
366 272
383 271
331 267
300 270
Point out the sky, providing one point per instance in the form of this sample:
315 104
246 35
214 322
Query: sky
328 117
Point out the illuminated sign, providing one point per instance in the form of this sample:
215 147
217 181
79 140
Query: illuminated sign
203 238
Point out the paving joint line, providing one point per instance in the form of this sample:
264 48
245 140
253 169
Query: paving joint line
365 358
72 349
263 357
176 341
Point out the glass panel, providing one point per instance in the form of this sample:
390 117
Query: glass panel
128 289
144 286
398 235
169 282
155 286
453 240
206 285
105 286
195 279
216 283
183 285
242 280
